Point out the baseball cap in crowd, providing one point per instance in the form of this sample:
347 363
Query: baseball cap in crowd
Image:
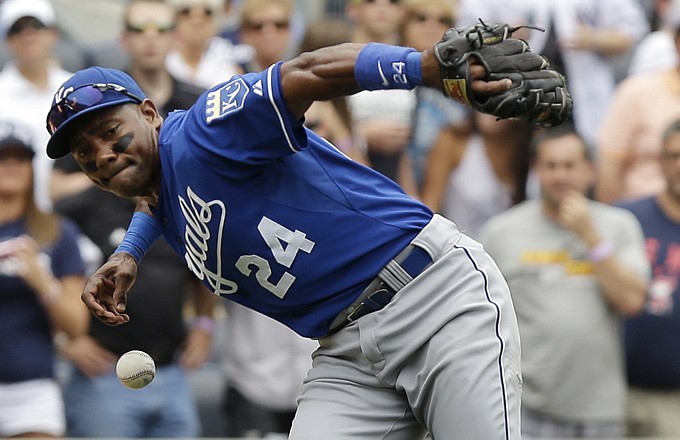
13 10
90 89
17 137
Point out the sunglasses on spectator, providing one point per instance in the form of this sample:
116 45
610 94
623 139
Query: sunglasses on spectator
258 26
80 99
422 18
27 23
186 11
140 28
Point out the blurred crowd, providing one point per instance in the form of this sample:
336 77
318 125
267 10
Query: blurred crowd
583 219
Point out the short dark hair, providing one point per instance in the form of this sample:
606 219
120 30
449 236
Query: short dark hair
545 134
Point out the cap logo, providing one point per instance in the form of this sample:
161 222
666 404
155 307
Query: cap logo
63 93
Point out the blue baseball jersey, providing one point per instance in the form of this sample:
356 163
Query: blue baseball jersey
270 215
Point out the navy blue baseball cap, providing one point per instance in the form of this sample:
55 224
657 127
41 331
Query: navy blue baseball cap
87 90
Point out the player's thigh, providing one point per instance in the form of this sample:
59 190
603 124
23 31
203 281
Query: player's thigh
465 382
178 414
460 389
342 400
96 406
33 406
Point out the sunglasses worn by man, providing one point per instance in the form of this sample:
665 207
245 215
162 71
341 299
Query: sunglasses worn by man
267 213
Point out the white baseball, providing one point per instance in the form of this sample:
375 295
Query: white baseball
135 369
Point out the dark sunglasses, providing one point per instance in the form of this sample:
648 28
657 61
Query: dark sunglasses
161 28
422 18
28 23
79 99
186 11
259 25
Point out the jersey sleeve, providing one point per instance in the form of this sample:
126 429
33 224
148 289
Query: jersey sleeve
245 121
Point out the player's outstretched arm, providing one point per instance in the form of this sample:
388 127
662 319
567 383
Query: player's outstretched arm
105 293
480 65
332 72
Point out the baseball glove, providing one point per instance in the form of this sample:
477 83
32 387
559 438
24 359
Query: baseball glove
538 93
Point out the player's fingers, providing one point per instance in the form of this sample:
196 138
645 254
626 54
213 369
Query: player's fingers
120 295
477 71
491 87
92 294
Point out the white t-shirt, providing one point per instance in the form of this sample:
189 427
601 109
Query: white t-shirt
27 104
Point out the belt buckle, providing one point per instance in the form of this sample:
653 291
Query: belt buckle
355 314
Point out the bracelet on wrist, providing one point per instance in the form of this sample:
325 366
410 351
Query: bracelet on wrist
205 324
600 252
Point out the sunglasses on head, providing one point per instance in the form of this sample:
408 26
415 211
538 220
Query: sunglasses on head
140 28
186 11
26 23
258 26
80 99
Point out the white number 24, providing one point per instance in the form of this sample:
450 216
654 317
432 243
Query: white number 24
285 245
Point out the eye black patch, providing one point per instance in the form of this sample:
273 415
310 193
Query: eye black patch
123 142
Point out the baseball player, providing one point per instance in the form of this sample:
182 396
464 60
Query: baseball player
414 321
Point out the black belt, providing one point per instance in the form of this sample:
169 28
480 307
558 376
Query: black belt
393 277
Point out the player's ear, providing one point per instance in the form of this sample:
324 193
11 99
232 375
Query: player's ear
150 113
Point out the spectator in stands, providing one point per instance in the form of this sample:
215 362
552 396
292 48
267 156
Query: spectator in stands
201 57
629 142
166 408
265 26
575 268
41 279
584 39
383 117
652 348
424 23
656 51
29 80
491 153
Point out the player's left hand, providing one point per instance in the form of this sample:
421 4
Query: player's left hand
536 93
105 293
